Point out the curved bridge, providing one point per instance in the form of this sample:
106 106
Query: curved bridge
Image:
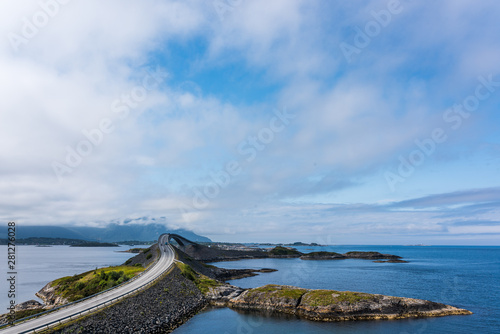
179 239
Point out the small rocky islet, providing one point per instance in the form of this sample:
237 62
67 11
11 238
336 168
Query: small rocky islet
327 305
213 254
378 257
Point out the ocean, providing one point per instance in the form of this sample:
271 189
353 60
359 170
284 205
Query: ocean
466 277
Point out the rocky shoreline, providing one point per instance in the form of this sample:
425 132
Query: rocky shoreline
49 296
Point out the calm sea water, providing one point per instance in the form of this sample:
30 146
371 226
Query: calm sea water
467 277
36 266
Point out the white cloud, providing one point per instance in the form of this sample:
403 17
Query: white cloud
351 119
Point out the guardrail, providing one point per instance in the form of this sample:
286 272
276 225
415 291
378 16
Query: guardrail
95 307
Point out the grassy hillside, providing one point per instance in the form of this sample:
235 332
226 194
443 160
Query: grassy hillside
279 250
83 285
91 282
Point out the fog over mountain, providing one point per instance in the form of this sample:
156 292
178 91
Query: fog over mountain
140 229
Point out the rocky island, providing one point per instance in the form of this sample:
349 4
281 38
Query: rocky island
214 254
327 305
353 255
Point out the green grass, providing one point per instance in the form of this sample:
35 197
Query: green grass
203 283
91 282
279 291
27 313
279 250
330 297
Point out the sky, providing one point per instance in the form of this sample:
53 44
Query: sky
335 122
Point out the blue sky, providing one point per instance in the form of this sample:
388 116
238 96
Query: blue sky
373 122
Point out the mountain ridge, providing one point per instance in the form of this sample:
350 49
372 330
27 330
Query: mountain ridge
116 230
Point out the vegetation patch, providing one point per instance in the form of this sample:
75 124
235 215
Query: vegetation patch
203 283
83 285
330 297
278 291
27 313
363 253
320 254
280 250
135 250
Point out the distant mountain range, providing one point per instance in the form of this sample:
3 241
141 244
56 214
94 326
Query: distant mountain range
141 229
40 241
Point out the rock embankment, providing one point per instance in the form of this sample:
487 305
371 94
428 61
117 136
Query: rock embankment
223 294
327 305
28 305
159 309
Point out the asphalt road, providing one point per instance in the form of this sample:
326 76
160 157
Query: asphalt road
164 263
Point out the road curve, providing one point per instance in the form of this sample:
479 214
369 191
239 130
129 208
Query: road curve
164 263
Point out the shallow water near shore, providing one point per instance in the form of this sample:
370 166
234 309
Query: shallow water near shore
466 277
